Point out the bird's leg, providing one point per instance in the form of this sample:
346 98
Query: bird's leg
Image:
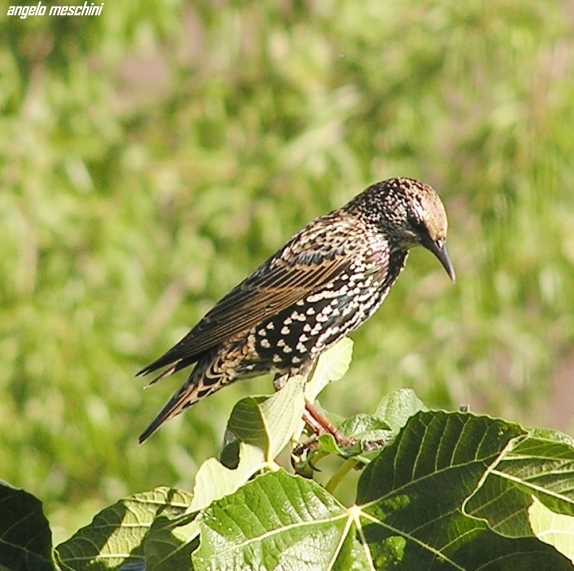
313 417
311 423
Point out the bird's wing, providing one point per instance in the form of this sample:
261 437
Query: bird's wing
283 280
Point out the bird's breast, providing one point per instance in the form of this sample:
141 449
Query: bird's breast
299 333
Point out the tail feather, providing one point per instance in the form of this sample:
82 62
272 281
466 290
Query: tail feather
176 365
193 390
166 373
187 395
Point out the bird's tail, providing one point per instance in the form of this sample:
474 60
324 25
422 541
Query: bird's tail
199 384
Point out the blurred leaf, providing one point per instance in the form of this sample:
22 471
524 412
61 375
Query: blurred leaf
25 536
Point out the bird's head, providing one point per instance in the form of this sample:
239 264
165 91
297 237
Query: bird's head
410 213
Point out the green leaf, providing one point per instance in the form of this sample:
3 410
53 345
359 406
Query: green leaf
170 542
25 536
544 468
553 435
412 496
269 424
278 521
117 535
365 427
395 409
263 427
214 480
331 366
365 430
531 467
552 528
409 513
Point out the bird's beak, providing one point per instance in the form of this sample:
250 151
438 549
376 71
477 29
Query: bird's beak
438 248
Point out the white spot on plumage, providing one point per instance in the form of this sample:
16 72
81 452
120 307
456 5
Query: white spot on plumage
296 316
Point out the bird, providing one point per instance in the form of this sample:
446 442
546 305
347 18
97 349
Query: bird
326 281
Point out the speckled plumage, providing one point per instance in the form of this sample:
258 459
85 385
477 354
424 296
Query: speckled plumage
325 282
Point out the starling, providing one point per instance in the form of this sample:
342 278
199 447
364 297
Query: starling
325 282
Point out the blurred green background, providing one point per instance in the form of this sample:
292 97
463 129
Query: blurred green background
152 157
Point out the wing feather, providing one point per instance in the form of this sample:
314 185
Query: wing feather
287 277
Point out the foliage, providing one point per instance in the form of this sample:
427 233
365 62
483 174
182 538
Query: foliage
152 157
452 491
